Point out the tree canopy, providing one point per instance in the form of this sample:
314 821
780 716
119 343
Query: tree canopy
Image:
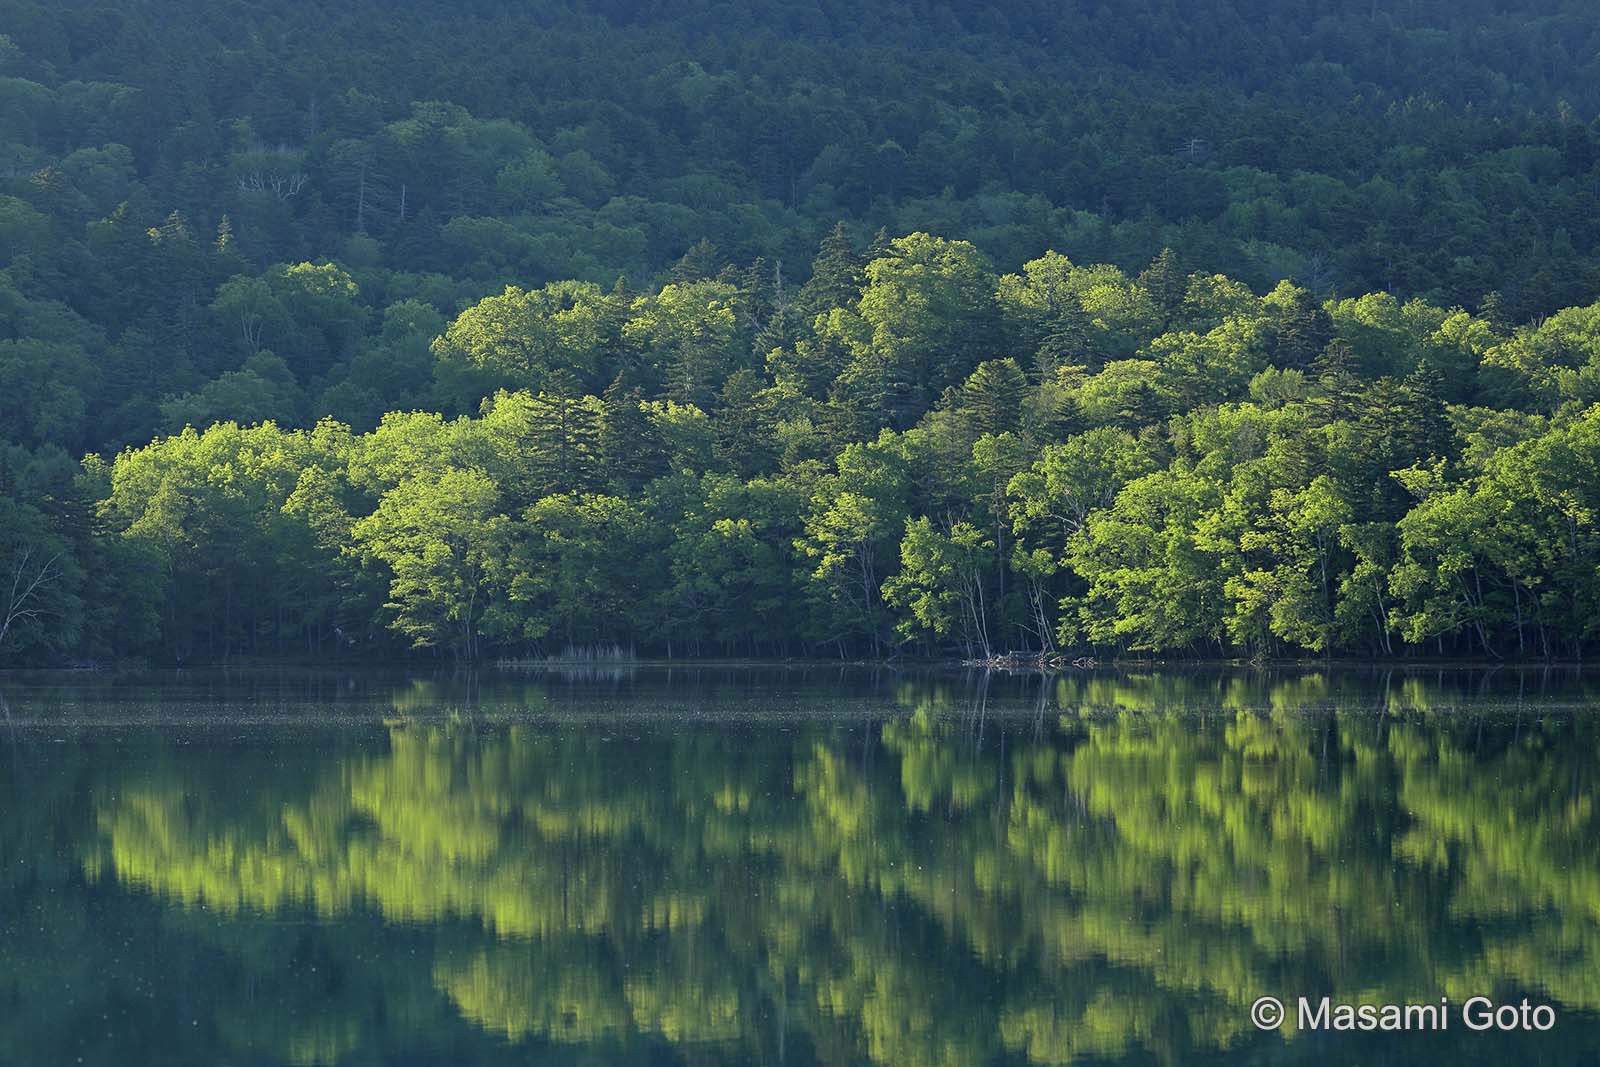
1211 328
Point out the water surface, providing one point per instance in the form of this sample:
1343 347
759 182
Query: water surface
803 867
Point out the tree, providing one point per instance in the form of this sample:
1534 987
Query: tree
575 570
36 607
1117 314
1165 281
1336 378
941 583
689 330
262 390
1421 429
529 182
1054 498
1065 341
744 425
992 397
517 339
1150 583
733 574
1442 579
836 276
843 535
205 512
700 263
44 384
929 312
543 445
630 451
1302 328
445 543
310 314
1287 589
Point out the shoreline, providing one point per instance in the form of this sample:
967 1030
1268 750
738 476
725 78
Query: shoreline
1082 665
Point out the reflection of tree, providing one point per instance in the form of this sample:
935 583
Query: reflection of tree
565 990
943 889
1518 845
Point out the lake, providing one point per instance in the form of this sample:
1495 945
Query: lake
821 866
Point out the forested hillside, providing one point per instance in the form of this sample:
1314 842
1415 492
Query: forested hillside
1218 328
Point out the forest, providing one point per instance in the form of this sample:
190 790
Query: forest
1217 328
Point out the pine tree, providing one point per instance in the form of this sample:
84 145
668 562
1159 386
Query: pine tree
1066 342
779 328
630 450
879 246
1144 407
694 373
1303 332
1422 428
616 356
1491 309
699 263
1166 283
836 276
1057 419
743 426
992 397
756 294
173 228
1336 375
564 430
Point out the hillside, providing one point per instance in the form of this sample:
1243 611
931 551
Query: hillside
1197 327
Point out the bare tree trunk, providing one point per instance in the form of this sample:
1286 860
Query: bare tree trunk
27 588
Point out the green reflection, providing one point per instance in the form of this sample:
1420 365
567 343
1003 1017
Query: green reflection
1117 871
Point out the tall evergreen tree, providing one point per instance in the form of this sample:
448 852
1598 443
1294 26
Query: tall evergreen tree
1422 426
1066 341
1166 283
630 449
701 262
992 396
1337 380
836 276
1303 331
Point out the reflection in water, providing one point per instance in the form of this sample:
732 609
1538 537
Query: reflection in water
1116 867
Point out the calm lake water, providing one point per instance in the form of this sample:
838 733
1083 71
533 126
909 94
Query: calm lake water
761 867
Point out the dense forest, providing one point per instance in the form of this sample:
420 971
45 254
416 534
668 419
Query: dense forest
1218 327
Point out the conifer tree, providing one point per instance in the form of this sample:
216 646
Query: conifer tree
1303 332
1166 283
836 276
700 263
992 396
1336 378
1422 427
630 450
1066 341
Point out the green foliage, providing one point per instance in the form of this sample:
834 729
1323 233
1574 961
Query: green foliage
1296 269
1196 498
518 339
574 573
41 580
941 583
446 544
688 329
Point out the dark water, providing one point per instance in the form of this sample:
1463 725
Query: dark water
732 867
